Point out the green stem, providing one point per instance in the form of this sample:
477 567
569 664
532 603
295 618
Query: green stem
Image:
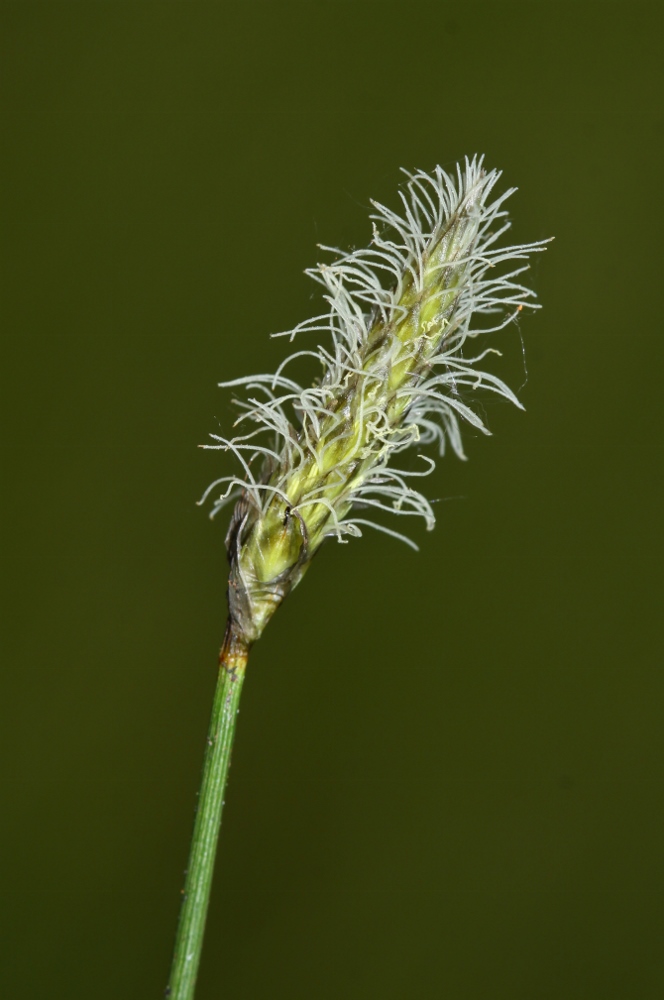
196 892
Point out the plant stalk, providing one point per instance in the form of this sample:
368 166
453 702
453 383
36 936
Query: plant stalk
196 892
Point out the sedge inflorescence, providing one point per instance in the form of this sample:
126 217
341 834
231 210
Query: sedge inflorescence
396 371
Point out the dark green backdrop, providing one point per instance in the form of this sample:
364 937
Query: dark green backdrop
448 775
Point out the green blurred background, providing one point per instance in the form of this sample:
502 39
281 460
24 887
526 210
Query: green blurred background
448 774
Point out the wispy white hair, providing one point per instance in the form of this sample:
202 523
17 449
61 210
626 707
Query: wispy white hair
443 238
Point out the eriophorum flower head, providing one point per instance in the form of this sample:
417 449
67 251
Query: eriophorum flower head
400 359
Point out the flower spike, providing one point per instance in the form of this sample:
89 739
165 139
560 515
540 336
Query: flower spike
399 316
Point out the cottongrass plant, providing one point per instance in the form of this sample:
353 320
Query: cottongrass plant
402 361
